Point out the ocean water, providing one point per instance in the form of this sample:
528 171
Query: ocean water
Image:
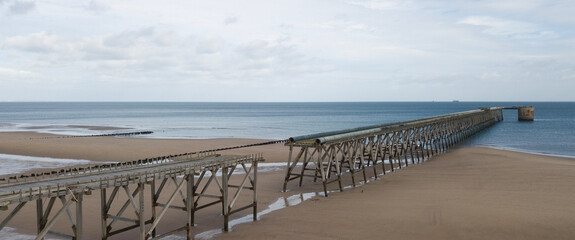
552 132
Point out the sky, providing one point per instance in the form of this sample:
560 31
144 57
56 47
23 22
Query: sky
287 51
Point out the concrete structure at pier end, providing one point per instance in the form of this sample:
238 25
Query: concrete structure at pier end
525 113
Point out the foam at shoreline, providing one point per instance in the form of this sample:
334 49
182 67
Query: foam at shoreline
57 129
14 164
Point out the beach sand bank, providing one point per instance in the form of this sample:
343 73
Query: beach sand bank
109 149
467 193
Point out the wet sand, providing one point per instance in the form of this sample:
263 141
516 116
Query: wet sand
467 193
113 149
124 148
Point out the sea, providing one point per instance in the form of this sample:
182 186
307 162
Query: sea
551 133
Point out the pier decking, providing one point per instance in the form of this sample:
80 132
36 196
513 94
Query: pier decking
196 173
366 151
327 156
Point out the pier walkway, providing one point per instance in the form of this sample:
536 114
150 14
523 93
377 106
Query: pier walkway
202 179
328 156
198 174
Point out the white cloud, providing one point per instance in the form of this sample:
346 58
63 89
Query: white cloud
383 4
346 26
231 20
209 45
509 28
97 6
517 5
95 50
22 7
36 42
269 50
7 74
128 38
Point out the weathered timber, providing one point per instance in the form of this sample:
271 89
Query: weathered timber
391 146
131 180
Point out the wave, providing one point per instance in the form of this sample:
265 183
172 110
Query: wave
14 164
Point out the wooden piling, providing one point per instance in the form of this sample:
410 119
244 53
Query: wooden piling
395 144
71 188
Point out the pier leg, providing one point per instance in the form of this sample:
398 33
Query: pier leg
79 217
255 184
288 169
141 219
154 203
225 205
104 214
322 172
11 215
49 224
190 204
305 163
40 216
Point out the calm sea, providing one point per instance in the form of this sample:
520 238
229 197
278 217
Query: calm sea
552 132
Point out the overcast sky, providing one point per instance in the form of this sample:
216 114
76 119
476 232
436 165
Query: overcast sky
348 50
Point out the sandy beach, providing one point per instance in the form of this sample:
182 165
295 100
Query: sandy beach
467 193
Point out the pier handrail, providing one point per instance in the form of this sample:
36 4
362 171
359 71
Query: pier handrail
327 156
321 138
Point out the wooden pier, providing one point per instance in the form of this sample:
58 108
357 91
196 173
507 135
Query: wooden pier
381 148
205 178
202 179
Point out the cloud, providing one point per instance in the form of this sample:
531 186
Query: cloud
94 49
257 49
231 20
209 45
22 7
41 42
383 4
12 74
334 46
346 26
509 28
277 60
516 5
97 6
129 38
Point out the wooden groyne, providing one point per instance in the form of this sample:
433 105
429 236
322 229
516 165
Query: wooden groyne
193 174
120 134
327 156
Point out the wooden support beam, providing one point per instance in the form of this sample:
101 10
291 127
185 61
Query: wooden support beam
225 205
125 177
11 215
398 144
79 233
42 233
140 213
190 205
255 191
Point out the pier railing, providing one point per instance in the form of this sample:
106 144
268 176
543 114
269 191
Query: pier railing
197 174
327 156
202 179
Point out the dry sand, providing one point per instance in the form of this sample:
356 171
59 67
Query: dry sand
467 193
